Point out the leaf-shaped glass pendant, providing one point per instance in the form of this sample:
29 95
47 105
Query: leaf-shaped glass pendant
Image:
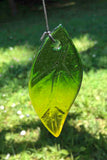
55 80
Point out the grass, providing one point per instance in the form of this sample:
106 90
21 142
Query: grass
84 135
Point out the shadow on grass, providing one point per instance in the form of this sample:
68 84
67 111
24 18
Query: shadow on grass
15 71
94 58
79 142
28 29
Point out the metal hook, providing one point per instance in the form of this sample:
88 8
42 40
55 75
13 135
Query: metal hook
49 34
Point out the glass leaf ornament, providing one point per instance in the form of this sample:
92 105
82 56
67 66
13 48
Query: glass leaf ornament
55 80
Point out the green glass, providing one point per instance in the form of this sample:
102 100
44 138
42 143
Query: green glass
55 80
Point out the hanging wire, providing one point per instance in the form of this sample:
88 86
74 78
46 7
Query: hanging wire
45 14
47 25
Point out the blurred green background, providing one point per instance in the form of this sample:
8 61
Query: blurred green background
22 135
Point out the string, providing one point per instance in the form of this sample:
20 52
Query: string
47 25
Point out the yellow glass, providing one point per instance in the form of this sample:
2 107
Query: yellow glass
55 80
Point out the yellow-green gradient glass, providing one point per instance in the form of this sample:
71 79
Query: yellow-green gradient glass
55 80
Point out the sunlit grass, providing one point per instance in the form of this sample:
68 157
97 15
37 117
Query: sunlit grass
22 136
18 54
84 43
